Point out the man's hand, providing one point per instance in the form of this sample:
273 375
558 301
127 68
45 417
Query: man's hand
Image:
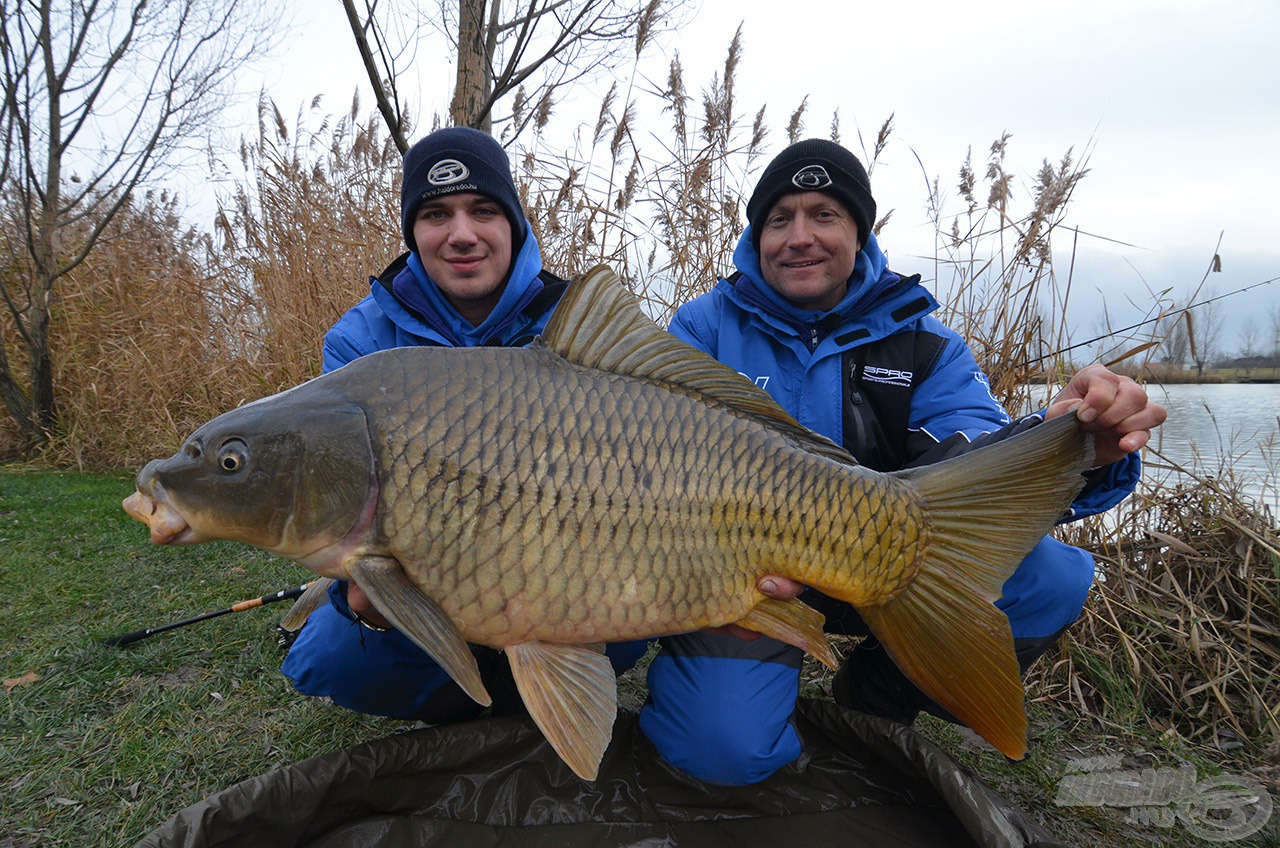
776 587
1112 407
360 604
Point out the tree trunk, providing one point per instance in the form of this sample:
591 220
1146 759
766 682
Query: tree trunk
472 89
43 412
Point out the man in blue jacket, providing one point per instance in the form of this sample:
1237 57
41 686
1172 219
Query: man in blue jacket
473 276
815 317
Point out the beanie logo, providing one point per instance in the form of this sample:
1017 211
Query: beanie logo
447 172
812 178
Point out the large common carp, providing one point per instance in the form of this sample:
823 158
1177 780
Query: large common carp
607 483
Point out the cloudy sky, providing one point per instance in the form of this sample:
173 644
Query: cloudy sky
1176 104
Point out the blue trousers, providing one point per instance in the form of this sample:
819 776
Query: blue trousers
720 707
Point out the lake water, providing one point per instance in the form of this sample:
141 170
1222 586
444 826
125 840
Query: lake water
1214 429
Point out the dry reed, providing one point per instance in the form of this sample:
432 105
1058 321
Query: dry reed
317 215
145 342
1182 631
995 271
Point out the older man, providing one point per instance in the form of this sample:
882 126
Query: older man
848 347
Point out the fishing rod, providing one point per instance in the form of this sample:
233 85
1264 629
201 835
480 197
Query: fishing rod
1159 317
137 635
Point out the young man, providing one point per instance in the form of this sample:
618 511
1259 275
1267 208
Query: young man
473 276
850 349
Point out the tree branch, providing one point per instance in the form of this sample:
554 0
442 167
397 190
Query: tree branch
388 106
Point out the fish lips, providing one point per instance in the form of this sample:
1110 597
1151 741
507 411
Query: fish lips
152 506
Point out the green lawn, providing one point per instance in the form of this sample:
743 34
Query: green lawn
110 742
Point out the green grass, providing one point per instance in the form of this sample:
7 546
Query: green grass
110 742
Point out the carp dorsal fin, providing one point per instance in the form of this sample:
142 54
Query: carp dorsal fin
598 324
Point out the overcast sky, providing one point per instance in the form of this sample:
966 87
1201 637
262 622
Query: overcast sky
1176 103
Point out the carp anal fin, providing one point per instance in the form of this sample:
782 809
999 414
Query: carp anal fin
598 324
572 694
421 619
316 596
793 622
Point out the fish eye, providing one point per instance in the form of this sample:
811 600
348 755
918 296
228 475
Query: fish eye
232 456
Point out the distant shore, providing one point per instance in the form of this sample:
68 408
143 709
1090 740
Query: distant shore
1168 376
1210 375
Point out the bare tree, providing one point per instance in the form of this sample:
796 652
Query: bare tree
1275 337
1173 331
1249 336
529 52
1206 332
101 97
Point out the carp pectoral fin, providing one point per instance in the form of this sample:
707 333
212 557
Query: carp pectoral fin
421 619
572 694
794 622
959 651
316 596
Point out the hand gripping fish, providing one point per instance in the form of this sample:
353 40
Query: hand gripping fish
607 483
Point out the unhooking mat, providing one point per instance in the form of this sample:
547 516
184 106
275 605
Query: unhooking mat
496 783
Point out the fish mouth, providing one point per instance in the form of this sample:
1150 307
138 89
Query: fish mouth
168 527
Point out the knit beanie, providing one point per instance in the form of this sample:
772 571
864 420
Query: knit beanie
457 159
814 165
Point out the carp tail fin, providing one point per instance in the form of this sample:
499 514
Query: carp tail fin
985 511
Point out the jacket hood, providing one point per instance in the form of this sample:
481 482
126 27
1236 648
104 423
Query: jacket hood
417 290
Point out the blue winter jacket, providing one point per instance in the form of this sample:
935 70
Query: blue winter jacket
405 308
797 356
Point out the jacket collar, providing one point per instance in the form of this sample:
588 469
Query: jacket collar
878 302
421 308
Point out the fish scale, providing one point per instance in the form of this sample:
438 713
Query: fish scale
611 483
677 537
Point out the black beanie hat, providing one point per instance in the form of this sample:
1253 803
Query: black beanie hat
814 164
457 159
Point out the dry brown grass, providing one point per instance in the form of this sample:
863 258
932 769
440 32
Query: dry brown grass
660 206
317 214
1183 628
995 269
145 343
163 328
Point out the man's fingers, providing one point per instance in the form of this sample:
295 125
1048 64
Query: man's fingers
358 602
1135 440
781 588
